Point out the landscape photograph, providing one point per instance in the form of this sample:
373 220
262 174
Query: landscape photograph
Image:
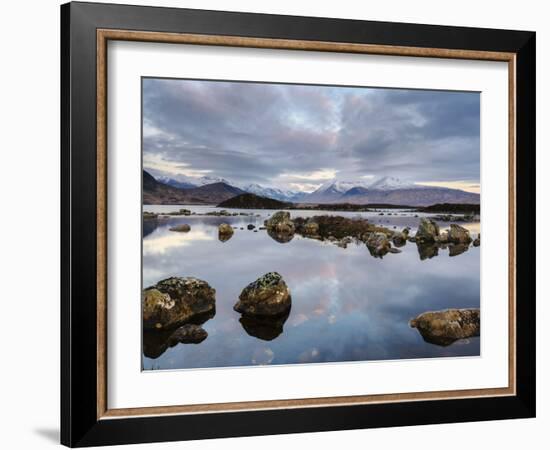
297 224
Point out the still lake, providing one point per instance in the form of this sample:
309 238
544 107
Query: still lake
346 304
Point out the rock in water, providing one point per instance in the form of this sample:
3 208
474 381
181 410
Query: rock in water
428 231
459 235
445 327
378 244
280 222
477 241
267 296
250 226
311 228
183 228
225 231
175 301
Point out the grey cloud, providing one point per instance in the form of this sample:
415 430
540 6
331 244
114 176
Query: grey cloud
254 132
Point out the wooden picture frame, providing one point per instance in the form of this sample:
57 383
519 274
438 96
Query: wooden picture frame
86 418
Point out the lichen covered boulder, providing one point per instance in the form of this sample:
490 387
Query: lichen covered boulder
184 228
280 222
428 230
445 327
267 296
459 235
175 301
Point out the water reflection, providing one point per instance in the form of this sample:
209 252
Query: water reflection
156 342
264 328
282 238
347 306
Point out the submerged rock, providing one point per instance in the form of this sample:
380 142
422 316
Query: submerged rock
445 327
175 301
225 232
182 228
267 296
428 230
265 328
459 235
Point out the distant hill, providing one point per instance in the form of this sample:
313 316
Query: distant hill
157 193
253 201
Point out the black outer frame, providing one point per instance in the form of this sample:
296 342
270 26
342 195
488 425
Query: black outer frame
79 423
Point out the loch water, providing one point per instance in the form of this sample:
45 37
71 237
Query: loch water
346 304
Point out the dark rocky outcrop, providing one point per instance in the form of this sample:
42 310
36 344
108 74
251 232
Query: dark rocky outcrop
477 241
175 301
445 327
267 296
250 226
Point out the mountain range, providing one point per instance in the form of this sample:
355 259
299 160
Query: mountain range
387 190
157 193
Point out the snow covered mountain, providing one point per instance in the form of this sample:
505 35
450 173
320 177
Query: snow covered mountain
390 184
274 193
191 182
386 189
389 190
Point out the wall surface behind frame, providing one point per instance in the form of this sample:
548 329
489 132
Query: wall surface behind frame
29 156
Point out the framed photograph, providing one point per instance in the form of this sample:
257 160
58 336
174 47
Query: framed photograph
272 224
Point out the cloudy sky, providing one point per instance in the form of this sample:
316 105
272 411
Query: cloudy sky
298 136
